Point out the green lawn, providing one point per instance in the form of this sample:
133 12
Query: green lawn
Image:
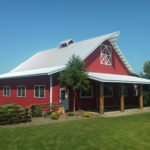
120 133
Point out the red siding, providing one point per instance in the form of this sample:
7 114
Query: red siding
92 63
29 83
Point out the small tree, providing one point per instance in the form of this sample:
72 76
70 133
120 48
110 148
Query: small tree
146 69
146 88
74 77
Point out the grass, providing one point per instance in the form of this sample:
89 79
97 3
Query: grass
120 133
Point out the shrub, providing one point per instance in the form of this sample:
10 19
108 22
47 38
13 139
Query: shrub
146 97
54 116
13 114
70 113
38 112
86 114
10 107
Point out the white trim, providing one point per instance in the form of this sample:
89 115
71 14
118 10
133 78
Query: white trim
21 87
86 95
33 72
9 91
39 91
103 55
111 88
51 89
136 90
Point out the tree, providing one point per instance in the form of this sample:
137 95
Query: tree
74 77
146 69
146 88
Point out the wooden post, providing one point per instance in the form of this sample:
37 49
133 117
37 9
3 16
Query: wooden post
141 96
122 99
101 98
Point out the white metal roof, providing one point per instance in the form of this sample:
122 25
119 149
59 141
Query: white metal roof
60 56
34 72
113 78
51 60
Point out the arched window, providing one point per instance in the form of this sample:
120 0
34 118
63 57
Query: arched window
105 54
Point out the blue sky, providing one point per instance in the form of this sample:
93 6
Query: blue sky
29 26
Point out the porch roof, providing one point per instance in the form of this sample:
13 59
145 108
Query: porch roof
113 78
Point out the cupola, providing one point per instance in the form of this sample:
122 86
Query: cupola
65 43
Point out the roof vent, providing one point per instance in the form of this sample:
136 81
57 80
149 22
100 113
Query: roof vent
65 43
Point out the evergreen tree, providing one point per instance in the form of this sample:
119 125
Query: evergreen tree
74 77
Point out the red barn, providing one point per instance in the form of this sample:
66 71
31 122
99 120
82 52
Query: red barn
113 81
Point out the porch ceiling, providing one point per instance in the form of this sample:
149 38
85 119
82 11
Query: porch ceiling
112 78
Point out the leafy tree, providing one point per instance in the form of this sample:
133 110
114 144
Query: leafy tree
146 88
146 70
74 77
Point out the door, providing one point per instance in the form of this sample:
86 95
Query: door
64 98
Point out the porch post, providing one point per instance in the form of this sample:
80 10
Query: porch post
141 97
101 98
122 99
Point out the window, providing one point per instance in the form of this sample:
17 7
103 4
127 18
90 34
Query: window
108 91
86 94
39 91
6 91
21 91
105 55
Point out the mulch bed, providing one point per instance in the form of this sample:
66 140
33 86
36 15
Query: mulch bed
47 120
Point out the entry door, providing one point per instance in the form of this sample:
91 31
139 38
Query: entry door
64 98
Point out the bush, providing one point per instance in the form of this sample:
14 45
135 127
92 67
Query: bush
10 107
86 114
54 116
38 112
146 97
70 113
13 113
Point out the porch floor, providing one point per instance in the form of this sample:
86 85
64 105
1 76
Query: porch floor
114 112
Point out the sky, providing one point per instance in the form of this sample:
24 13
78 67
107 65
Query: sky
29 26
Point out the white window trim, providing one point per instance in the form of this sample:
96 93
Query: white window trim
110 55
112 90
137 92
9 91
86 96
21 86
34 91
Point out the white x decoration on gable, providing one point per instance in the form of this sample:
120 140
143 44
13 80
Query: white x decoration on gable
105 54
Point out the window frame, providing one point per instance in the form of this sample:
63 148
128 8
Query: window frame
82 97
112 90
136 92
6 92
21 90
101 52
39 91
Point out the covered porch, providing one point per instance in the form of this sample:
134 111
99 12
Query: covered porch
118 91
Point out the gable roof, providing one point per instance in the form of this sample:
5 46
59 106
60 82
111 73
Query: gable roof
58 57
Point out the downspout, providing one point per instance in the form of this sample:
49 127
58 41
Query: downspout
51 89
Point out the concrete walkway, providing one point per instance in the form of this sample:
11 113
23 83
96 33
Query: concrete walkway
126 112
